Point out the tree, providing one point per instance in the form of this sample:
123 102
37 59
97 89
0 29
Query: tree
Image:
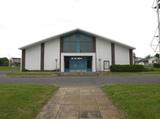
148 56
4 61
157 55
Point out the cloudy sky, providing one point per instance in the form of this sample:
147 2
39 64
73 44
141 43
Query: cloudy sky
132 22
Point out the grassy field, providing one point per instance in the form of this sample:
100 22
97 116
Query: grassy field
137 101
150 72
27 74
5 68
23 101
31 74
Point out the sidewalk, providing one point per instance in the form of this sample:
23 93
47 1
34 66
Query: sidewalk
79 103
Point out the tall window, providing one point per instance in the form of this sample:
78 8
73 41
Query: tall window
78 42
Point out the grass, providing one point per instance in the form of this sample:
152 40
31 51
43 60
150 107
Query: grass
148 73
6 68
52 74
23 101
31 74
28 74
137 101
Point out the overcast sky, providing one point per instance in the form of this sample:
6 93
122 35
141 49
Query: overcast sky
22 22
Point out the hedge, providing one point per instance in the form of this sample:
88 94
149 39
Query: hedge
156 65
127 68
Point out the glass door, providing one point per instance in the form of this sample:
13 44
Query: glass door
106 65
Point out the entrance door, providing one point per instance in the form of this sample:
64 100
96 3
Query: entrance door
77 64
106 65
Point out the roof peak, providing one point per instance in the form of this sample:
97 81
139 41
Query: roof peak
72 31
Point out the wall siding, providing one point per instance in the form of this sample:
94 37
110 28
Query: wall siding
121 55
52 52
32 58
103 52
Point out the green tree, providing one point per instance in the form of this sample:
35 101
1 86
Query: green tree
156 55
4 61
148 56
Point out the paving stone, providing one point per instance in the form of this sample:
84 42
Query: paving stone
109 112
58 100
72 91
102 100
79 103
68 111
89 108
90 115
60 93
88 100
71 99
85 91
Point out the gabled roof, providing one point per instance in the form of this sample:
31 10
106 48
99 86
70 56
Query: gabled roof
73 31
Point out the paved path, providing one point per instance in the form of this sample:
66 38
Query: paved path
79 103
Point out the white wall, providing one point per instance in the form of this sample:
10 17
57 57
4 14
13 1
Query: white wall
121 55
103 52
52 52
78 54
32 58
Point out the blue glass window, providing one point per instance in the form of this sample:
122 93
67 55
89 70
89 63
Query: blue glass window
78 42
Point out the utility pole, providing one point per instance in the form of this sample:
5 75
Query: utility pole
155 43
157 4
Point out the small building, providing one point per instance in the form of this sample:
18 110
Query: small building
148 61
75 51
15 61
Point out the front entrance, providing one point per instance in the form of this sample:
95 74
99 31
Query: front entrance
78 63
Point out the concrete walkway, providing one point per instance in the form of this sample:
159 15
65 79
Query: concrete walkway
79 103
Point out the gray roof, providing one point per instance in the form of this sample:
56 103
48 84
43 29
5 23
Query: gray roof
75 30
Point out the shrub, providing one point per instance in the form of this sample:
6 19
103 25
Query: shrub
127 68
147 69
156 65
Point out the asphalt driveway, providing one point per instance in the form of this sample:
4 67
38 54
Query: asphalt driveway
83 81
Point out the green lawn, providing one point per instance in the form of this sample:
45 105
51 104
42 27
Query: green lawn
149 73
31 74
23 101
52 74
137 101
6 68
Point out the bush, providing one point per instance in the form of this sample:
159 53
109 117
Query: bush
156 65
147 69
127 68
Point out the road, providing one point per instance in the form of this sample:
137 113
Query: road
82 81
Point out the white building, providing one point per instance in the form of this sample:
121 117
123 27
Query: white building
75 51
147 61
14 61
